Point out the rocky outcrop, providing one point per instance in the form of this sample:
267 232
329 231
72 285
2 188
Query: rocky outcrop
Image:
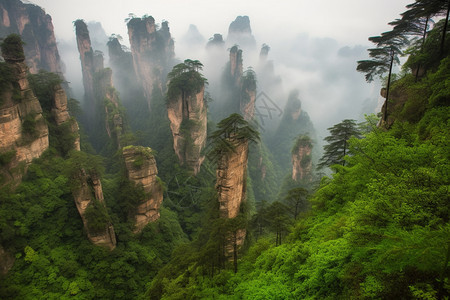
231 186
231 178
301 159
240 33
141 170
294 122
121 62
188 122
239 87
23 130
153 52
91 207
105 90
36 29
216 41
61 115
88 66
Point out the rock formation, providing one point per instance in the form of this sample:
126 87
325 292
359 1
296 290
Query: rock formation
61 115
23 130
231 179
187 113
294 122
36 29
104 89
240 33
141 170
188 118
153 52
216 41
239 87
91 206
88 66
301 159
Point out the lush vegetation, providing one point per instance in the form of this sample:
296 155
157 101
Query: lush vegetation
376 228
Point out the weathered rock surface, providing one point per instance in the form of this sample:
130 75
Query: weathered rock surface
231 185
36 29
153 52
301 159
231 177
23 130
188 143
61 115
144 173
89 196
88 67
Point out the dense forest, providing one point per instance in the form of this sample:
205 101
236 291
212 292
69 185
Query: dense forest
162 183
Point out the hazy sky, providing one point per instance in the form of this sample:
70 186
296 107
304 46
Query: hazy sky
349 21
314 44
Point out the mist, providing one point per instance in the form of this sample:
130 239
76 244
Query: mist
313 46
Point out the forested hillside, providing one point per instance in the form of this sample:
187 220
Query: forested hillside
162 183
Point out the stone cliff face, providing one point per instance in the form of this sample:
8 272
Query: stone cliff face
104 89
231 185
91 206
23 130
36 29
294 122
153 52
240 33
61 115
301 159
88 66
141 170
188 122
231 177
241 86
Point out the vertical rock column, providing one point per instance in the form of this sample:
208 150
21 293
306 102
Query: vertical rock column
231 186
301 159
141 170
152 52
189 111
23 130
91 206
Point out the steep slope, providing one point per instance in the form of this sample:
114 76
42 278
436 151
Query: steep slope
23 130
153 52
36 29
141 170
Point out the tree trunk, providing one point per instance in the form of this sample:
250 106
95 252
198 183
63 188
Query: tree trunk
445 30
421 48
235 252
385 115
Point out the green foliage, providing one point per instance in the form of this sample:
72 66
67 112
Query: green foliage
43 85
29 126
6 78
6 157
230 131
12 47
337 147
185 80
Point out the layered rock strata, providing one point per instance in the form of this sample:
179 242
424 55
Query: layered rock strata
91 207
23 130
36 29
301 159
153 52
188 122
141 170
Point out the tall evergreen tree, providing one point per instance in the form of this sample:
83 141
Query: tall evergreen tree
337 146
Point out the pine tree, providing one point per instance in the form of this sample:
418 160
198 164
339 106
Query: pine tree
337 146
